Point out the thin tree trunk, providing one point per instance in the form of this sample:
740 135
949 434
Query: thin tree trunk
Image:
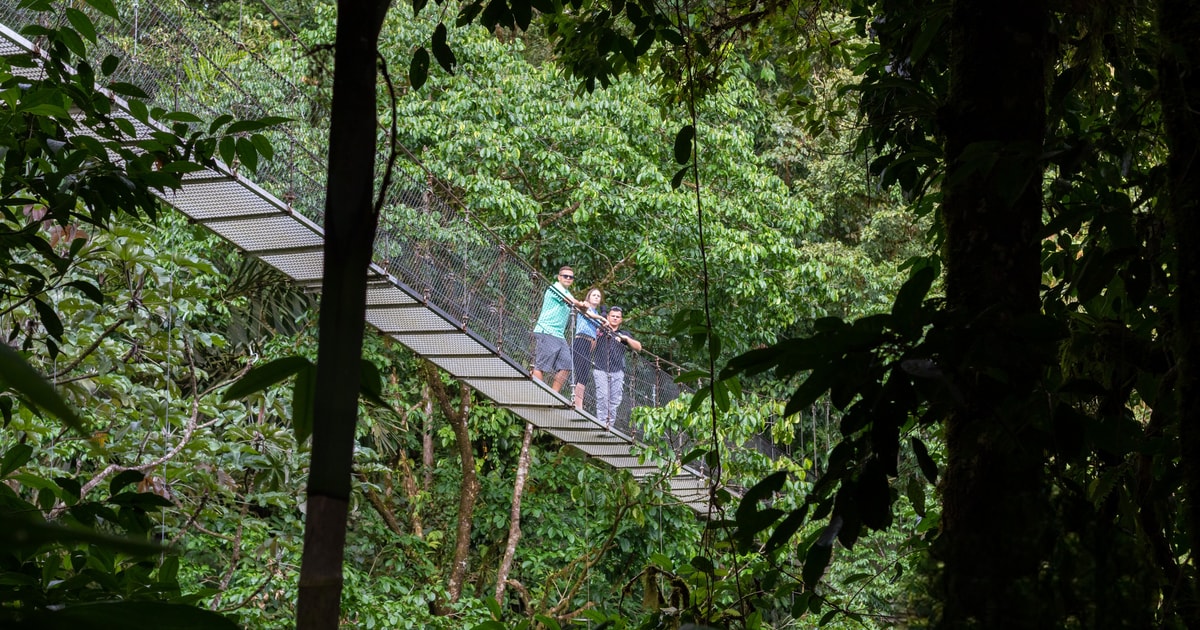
466 498
350 223
514 519
469 491
427 442
410 490
1179 75
995 505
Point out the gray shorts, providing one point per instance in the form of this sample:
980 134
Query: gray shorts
551 353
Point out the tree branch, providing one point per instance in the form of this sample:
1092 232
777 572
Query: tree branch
90 349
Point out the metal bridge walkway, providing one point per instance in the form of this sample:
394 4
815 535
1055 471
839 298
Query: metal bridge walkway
440 285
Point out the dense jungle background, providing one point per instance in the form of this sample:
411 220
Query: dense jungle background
934 252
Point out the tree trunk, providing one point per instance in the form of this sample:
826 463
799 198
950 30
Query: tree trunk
458 419
427 442
995 505
350 223
1179 76
514 519
466 498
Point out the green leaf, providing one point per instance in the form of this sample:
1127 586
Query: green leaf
698 399
304 394
106 7
228 149
493 607
644 42
247 154
264 376
371 386
915 491
139 111
15 458
43 109
683 144
263 146
89 290
124 478
82 24
244 126
909 299
127 89
721 396
26 534
110 65
677 179
815 562
443 54
817 383
219 122
928 467
784 532
50 319
20 376
131 614
672 36
73 41
417 5
693 455
418 68
548 622
762 490
184 117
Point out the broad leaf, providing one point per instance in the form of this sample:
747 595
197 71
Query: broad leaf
683 144
264 376
15 373
418 68
131 614
304 395
445 57
16 457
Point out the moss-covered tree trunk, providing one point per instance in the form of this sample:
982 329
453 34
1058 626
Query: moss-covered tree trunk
1179 76
994 497
350 222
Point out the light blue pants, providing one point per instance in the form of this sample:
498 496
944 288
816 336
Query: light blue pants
609 386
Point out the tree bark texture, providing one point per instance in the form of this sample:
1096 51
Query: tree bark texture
458 419
350 223
514 518
1179 77
994 496
427 442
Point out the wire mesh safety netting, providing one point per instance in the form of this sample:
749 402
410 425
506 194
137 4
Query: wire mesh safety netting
425 241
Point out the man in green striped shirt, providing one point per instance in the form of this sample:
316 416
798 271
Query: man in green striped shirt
551 351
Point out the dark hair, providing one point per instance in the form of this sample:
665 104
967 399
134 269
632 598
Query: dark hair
617 309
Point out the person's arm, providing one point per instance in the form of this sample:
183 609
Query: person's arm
630 341
566 296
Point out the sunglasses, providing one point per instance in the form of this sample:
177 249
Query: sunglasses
566 275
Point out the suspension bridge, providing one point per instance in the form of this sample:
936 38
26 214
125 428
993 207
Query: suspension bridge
440 284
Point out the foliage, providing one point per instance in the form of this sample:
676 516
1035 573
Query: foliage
234 480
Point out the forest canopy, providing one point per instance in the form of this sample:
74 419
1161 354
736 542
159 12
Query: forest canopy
935 252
